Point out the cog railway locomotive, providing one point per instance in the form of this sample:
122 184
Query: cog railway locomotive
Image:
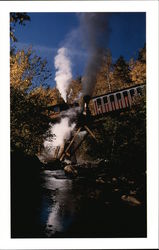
103 104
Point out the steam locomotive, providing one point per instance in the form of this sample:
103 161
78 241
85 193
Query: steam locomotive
102 104
116 100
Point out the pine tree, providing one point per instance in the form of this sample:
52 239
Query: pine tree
121 74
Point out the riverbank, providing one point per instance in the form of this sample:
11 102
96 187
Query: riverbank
111 204
98 202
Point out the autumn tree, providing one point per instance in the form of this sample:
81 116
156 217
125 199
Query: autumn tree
17 18
29 95
28 123
103 84
138 68
121 139
47 95
121 74
74 91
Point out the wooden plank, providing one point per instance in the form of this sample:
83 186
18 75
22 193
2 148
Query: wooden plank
79 144
70 144
90 132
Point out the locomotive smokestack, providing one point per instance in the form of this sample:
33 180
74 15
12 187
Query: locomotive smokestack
86 100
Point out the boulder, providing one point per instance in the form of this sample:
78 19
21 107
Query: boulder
100 180
131 200
71 171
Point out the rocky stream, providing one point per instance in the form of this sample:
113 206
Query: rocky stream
84 201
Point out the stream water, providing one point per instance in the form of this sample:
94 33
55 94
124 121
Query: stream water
58 204
68 207
73 208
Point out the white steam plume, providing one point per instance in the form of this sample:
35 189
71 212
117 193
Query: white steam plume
62 132
63 74
58 134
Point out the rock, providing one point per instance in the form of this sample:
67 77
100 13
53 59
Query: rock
131 200
114 179
116 190
123 178
100 180
107 203
92 195
132 192
53 164
131 182
70 170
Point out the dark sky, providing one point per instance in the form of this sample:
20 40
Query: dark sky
47 32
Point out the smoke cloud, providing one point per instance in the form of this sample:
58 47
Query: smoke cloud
95 31
94 34
63 74
61 131
58 134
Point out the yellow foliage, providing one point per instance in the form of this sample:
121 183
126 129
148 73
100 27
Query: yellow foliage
20 76
74 91
138 72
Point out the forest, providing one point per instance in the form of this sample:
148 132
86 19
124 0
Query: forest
110 201
31 95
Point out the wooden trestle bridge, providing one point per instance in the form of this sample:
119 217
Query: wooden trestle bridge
104 104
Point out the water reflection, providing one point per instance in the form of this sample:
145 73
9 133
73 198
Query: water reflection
58 206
